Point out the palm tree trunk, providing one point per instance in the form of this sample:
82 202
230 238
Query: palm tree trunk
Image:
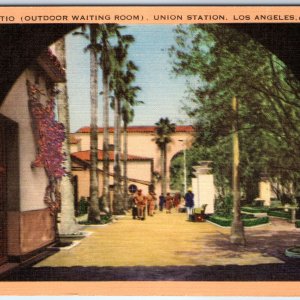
106 195
105 192
237 229
118 205
125 182
163 171
94 212
67 215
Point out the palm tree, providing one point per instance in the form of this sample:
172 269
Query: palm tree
127 112
237 230
105 66
107 60
93 47
127 117
163 131
119 86
94 211
67 216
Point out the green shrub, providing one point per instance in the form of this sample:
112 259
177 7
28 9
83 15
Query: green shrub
223 205
220 220
297 224
279 213
82 206
247 222
255 209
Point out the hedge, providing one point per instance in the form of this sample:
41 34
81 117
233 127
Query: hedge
280 214
255 209
226 222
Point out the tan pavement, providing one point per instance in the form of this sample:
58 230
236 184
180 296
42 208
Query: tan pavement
169 240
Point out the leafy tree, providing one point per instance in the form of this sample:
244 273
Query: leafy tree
222 64
216 59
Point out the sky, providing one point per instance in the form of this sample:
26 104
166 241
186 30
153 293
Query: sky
162 93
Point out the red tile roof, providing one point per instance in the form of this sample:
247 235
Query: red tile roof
150 129
85 155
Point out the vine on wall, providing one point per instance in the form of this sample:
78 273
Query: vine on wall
50 135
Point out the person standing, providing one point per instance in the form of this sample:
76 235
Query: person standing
176 201
189 204
151 203
133 203
169 203
161 202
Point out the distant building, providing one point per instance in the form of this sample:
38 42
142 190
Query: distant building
141 143
140 170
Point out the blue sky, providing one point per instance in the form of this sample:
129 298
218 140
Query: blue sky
161 92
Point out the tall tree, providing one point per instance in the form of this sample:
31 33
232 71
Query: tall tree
237 229
67 216
94 212
127 116
216 59
107 33
127 111
91 35
163 132
122 76
105 65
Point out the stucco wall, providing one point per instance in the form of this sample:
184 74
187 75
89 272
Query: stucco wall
32 181
136 169
142 144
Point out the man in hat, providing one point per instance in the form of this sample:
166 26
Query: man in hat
189 203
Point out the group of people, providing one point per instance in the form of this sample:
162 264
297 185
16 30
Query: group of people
143 205
169 202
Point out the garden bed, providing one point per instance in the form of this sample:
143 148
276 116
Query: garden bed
255 210
247 221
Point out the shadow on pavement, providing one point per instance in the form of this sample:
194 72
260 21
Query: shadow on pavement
289 271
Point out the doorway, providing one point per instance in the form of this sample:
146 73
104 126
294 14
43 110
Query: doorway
3 197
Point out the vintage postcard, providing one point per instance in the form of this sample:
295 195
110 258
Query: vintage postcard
150 150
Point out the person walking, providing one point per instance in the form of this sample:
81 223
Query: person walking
189 204
169 203
141 202
161 202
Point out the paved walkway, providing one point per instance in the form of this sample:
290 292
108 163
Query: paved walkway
167 247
